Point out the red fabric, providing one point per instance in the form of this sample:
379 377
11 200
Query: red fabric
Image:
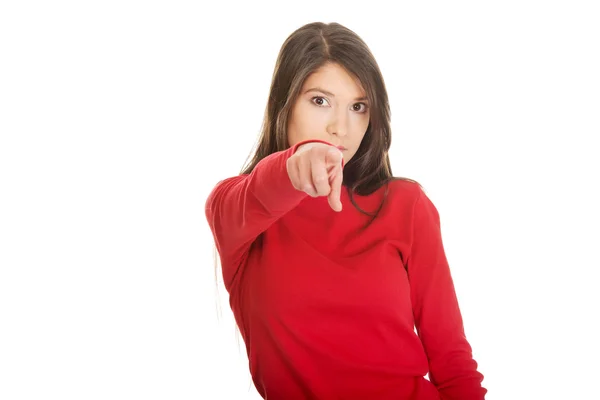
327 310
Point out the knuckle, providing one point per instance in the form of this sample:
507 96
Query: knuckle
320 178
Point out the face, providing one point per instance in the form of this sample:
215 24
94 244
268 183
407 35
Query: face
331 106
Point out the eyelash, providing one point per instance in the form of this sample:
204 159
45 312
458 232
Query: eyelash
321 97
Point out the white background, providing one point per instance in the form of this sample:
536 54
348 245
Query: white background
118 117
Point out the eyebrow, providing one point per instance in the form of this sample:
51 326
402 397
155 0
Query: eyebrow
317 89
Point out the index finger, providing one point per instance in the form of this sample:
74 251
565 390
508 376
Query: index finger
336 179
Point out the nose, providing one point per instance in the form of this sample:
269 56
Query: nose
338 125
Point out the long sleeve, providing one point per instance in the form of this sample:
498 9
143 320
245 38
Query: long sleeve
240 208
438 319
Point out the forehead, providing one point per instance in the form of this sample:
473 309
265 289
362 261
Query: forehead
334 78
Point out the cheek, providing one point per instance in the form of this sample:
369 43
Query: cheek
303 126
297 131
363 121
361 125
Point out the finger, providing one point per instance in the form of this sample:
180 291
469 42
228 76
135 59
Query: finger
305 175
333 157
336 189
320 177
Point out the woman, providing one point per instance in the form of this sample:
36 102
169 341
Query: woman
329 261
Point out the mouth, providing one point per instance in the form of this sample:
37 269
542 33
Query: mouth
342 148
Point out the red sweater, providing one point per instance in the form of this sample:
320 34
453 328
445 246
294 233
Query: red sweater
327 310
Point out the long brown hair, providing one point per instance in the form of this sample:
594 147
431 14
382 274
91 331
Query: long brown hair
303 52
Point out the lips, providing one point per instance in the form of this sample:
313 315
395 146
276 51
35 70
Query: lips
341 148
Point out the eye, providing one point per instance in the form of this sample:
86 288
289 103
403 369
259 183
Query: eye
319 100
360 110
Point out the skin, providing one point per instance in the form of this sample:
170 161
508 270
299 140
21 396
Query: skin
339 118
337 112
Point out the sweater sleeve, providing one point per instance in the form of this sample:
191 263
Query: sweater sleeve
438 319
240 208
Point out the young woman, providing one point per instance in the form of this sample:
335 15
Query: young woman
329 261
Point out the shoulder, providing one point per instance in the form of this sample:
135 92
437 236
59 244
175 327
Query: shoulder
416 201
409 196
221 187
405 189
